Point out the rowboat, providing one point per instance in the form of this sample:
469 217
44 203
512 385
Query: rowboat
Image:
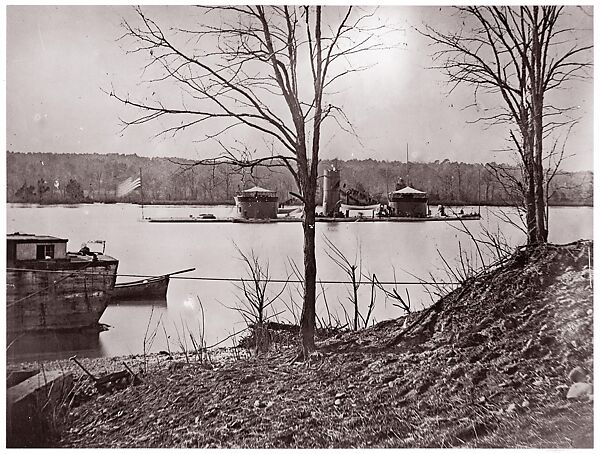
150 288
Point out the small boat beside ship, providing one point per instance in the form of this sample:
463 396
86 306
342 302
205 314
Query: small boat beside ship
150 288
50 289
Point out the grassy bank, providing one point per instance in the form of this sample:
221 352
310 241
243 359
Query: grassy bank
490 365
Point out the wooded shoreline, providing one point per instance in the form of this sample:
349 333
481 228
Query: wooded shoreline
55 178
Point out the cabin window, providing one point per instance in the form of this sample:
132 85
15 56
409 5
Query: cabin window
45 251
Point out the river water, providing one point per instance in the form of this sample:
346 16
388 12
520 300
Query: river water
399 252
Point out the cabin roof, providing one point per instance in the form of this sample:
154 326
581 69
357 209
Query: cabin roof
259 189
408 190
29 238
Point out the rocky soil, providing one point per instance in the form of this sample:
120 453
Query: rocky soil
490 365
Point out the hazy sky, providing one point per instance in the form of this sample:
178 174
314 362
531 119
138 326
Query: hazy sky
60 59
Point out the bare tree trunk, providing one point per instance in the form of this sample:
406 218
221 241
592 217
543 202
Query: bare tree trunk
355 297
529 181
540 201
530 207
307 321
537 104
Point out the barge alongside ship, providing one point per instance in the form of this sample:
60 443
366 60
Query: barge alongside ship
49 289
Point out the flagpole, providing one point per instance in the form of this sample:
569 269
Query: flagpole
142 193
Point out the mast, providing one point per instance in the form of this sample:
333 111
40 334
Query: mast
387 186
479 191
407 167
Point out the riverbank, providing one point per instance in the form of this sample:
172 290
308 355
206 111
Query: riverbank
490 365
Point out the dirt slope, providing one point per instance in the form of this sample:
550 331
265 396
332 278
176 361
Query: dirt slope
487 366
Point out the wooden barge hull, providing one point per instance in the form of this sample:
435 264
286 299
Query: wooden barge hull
58 295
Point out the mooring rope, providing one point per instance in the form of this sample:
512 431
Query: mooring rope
238 279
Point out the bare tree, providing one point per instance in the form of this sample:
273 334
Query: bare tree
393 294
520 54
353 269
257 299
266 69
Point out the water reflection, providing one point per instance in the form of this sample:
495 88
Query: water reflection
140 302
54 344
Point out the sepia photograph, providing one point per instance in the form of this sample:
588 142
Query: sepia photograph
330 226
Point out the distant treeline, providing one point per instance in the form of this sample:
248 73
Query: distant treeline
74 178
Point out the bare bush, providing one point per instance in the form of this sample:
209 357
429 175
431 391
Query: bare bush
353 269
255 300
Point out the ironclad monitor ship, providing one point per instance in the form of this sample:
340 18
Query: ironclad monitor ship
408 202
48 288
256 203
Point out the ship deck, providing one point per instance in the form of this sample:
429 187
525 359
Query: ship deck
191 219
